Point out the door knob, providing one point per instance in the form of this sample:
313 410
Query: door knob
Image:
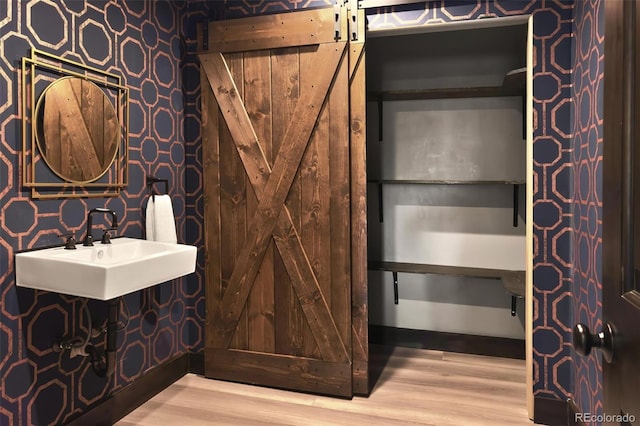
583 340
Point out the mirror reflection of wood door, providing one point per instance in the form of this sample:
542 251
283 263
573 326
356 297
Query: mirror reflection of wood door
284 203
621 208
80 129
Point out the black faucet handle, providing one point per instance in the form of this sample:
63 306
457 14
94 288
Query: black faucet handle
69 241
106 236
88 240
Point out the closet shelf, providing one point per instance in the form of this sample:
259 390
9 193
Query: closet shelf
513 281
515 80
445 182
515 183
513 84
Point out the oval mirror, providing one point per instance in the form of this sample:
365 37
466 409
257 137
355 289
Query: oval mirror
77 130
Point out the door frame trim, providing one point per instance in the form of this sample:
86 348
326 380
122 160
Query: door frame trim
529 223
616 115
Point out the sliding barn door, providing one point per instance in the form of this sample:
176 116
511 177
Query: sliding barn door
284 203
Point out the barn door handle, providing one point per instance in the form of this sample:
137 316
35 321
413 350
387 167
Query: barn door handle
583 340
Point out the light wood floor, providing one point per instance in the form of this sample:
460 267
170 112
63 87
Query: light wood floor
414 387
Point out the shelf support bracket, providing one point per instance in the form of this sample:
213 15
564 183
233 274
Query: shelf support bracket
515 284
516 202
380 204
380 111
395 287
524 112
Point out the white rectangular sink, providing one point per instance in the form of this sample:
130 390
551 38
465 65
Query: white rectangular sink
104 271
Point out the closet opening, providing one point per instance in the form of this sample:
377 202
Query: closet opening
449 186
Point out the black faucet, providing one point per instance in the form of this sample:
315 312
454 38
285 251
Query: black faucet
88 239
69 241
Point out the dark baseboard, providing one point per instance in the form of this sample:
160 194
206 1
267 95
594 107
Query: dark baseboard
549 411
196 363
449 342
132 396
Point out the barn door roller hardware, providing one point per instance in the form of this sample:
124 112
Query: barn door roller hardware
340 7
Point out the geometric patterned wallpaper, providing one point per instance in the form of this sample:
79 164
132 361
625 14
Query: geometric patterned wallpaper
142 42
150 44
587 90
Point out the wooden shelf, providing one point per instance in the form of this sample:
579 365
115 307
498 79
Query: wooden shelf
445 182
515 184
513 281
513 84
515 80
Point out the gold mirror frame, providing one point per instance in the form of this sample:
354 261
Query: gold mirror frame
39 173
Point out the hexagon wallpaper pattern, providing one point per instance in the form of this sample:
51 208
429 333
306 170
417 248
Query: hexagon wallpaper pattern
587 95
142 42
151 44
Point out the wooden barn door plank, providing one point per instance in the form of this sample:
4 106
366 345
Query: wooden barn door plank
359 295
211 197
291 325
302 28
338 184
300 373
234 204
311 229
257 102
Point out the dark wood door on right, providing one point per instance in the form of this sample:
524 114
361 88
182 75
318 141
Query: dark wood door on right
619 338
